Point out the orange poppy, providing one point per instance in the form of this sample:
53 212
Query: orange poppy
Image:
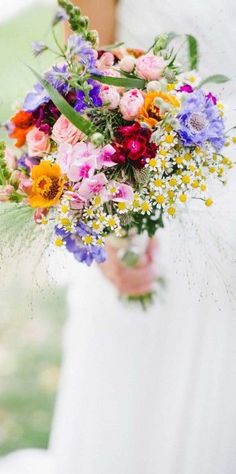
150 113
22 122
47 186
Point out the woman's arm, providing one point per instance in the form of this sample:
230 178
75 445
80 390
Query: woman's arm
102 16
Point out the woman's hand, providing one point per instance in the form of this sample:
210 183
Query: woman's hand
132 281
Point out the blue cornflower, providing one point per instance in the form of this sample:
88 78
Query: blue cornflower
200 122
94 98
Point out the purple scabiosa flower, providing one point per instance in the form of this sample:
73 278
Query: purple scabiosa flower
94 98
74 244
35 98
200 122
87 56
38 47
58 77
59 16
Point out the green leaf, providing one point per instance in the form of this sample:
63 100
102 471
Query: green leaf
172 35
127 82
80 122
193 55
216 79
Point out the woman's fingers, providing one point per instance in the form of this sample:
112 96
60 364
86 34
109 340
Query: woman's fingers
135 280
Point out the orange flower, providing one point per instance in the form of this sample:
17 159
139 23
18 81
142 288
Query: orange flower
22 122
150 113
47 185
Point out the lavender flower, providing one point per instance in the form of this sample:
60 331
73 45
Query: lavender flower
58 77
76 45
82 102
35 98
200 121
74 244
38 47
59 16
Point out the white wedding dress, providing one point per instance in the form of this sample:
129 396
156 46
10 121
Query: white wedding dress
155 392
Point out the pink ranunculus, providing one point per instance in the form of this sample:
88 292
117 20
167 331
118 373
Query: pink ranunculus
64 131
149 66
92 186
131 103
127 63
38 142
106 60
105 157
10 158
110 96
124 192
5 192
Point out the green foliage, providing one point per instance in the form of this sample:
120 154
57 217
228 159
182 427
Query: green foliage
127 82
147 223
4 172
106 121
193 55
216 79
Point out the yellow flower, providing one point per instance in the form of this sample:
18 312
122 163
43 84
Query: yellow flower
150 113
47 186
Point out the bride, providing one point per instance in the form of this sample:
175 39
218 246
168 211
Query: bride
154 392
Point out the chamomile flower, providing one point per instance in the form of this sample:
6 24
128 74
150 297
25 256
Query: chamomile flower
146 207
123 207
112 221
89 212
89 239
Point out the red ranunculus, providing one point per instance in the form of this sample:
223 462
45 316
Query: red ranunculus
133 145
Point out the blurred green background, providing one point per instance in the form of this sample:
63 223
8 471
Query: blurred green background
32 310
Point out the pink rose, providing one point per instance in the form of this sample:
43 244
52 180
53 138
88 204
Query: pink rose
5 192
131 103
149 66
65 132
127 63
110 96
106 60
38 142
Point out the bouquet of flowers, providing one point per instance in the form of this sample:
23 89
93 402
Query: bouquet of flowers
113 141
